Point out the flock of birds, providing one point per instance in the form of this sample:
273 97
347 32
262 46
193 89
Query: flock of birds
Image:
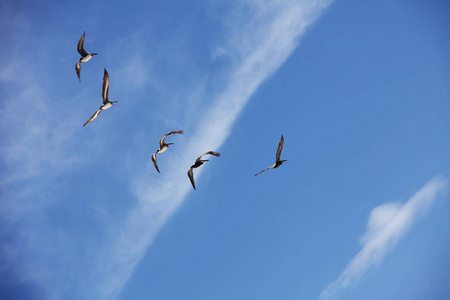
86 56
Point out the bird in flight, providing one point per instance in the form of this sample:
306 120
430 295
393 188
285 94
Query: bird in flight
278 162
106 103
85 56
163 146
198 162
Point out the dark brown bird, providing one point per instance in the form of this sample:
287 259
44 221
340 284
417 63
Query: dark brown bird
278 162
85 56
198 162
163 147
106 103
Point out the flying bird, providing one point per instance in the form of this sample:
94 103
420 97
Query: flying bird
106 103
278 162
85 56
163 146
198 162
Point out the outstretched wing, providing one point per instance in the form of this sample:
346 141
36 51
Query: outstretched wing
212 153
80 46
161 142
265 170
208 152
191 177
78 69
154 161
105 87
93 117
280 147
175 131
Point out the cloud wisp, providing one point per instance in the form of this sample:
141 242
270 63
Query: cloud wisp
270 35
387 224
99 248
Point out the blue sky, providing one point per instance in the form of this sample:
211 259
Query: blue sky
359 89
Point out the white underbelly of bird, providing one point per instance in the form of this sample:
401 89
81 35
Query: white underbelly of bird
86 58
106 106
162 149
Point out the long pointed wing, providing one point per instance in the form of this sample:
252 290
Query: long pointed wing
280 147
210 152
265 170
78 69
161 142
105 87
80 46
154 161
93 117
191 177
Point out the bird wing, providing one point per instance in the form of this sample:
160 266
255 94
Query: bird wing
93 117
265 170
280 147
208 152
154 161
161 142
105 87
78 69
212 153
175 131
80 46
191 177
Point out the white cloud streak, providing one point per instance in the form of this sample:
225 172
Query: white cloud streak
258 41
270 36
387 224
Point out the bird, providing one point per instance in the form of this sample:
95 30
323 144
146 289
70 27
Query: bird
278 162
198 162
106 103
85 56
163 147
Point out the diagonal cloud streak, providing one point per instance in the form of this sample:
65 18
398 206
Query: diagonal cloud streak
270 37
104 244
387 224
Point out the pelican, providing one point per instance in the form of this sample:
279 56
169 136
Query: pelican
85 56
278 162
106 103
163 147
198 162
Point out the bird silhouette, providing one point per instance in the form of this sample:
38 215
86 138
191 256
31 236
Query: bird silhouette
198 162
85 56
163 147
278 162
106 103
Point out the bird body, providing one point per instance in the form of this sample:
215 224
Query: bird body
87 57
106 103
163 148
278 161
198 162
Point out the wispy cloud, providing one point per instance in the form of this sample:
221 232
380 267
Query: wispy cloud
38 127
258 40
387 224
259 48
